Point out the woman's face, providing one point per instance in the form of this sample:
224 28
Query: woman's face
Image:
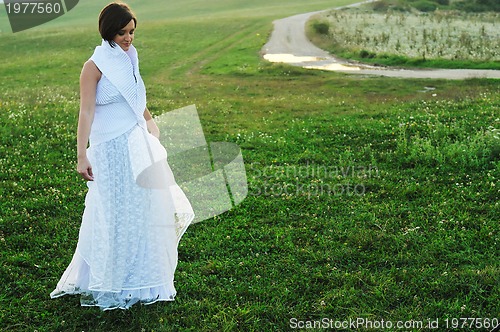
125 36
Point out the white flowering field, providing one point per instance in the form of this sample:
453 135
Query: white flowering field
443 35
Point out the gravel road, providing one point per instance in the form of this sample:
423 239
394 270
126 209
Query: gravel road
288 44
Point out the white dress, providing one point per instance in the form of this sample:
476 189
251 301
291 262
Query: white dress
135 214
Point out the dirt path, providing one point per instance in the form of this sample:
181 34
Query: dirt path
288 44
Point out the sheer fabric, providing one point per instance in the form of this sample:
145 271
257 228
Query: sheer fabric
135 215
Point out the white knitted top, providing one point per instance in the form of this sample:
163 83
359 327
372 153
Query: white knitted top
120 94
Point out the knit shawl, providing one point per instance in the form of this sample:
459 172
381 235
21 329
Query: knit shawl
122 70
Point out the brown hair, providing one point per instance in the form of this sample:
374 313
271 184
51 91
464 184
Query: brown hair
112 19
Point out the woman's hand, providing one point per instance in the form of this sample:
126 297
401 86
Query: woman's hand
153 128
85 169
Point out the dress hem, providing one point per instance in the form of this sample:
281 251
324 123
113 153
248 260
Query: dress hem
75 282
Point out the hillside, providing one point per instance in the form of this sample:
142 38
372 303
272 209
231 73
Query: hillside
369 199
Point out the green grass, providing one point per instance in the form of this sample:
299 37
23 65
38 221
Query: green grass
405 62
422 242
85 14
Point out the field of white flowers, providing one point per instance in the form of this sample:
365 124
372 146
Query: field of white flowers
445 35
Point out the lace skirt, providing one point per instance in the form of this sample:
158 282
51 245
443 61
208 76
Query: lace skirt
134 217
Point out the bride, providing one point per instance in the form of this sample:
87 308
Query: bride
135 213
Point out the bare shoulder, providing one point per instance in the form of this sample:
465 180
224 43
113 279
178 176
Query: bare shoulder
90 71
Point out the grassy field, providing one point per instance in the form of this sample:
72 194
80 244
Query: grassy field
369 197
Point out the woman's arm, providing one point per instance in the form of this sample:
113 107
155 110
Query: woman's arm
150 123
88 83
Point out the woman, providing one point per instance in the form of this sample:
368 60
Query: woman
134 212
